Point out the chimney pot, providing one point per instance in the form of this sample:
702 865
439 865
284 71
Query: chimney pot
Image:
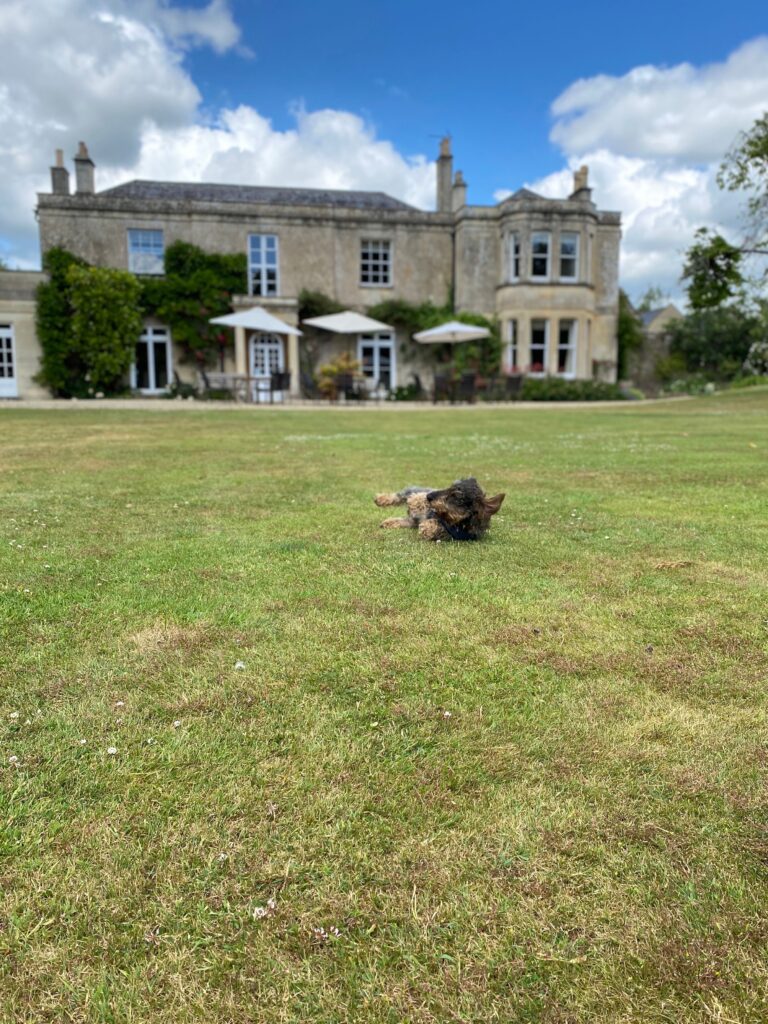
59 176
84 176
581 189
444 176
459 192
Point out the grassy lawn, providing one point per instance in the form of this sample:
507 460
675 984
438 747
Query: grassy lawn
357 777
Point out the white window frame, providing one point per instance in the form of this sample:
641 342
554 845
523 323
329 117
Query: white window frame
571 347
145 256
545 361
575 256
152 335
514 255
376 259
547 256
379 340
9 381
268 243
513 346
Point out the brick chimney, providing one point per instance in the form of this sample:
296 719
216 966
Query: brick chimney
59 176
444 176
459 195
581 189
83 171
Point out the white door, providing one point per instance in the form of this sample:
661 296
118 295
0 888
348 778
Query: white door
376 353
9 386
152 367
267 357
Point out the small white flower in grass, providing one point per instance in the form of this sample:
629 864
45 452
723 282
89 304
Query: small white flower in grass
151 741
13 759
82 742
28 721
259 913
111 750
14 714
223 856
119 703
239 666
447 714
177 723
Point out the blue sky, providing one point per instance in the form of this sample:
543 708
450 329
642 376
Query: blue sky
352 95
486 72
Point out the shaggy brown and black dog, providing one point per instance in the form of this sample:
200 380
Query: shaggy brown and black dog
460 512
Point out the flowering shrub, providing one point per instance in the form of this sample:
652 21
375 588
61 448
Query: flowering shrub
757 358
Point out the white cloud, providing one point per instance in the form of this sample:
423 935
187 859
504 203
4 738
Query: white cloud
653 140
113 76
683 113
326 149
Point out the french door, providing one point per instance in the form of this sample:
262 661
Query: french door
152 367
9 385
267 357
376 354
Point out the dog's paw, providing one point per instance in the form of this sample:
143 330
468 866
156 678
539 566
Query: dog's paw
384 500
395 523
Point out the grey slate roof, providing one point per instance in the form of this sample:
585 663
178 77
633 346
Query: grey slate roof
650 315
525 193
171 191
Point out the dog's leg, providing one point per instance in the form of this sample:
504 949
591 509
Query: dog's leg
398 524
431 529
385 500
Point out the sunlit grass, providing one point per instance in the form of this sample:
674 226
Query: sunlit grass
524 780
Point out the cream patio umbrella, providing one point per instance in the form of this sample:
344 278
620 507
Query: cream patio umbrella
347 322
267 353
350 322
452 333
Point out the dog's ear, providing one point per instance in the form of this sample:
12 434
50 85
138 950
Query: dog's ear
494 504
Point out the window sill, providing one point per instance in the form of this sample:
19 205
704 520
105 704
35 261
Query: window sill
361 285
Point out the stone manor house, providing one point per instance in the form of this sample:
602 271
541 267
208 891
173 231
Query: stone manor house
546 269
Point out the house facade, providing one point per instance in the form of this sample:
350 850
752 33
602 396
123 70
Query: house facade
546 269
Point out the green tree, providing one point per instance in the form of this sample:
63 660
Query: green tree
716 341
651 298
106 324
629 333
713 265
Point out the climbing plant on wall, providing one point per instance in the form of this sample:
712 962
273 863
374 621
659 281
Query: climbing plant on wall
483 356
196 287
62 369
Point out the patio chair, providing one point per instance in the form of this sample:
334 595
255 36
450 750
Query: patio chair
309 388
512 386
279 381
443 388
347 386
467 387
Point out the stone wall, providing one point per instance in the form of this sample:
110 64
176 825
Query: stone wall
17 308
